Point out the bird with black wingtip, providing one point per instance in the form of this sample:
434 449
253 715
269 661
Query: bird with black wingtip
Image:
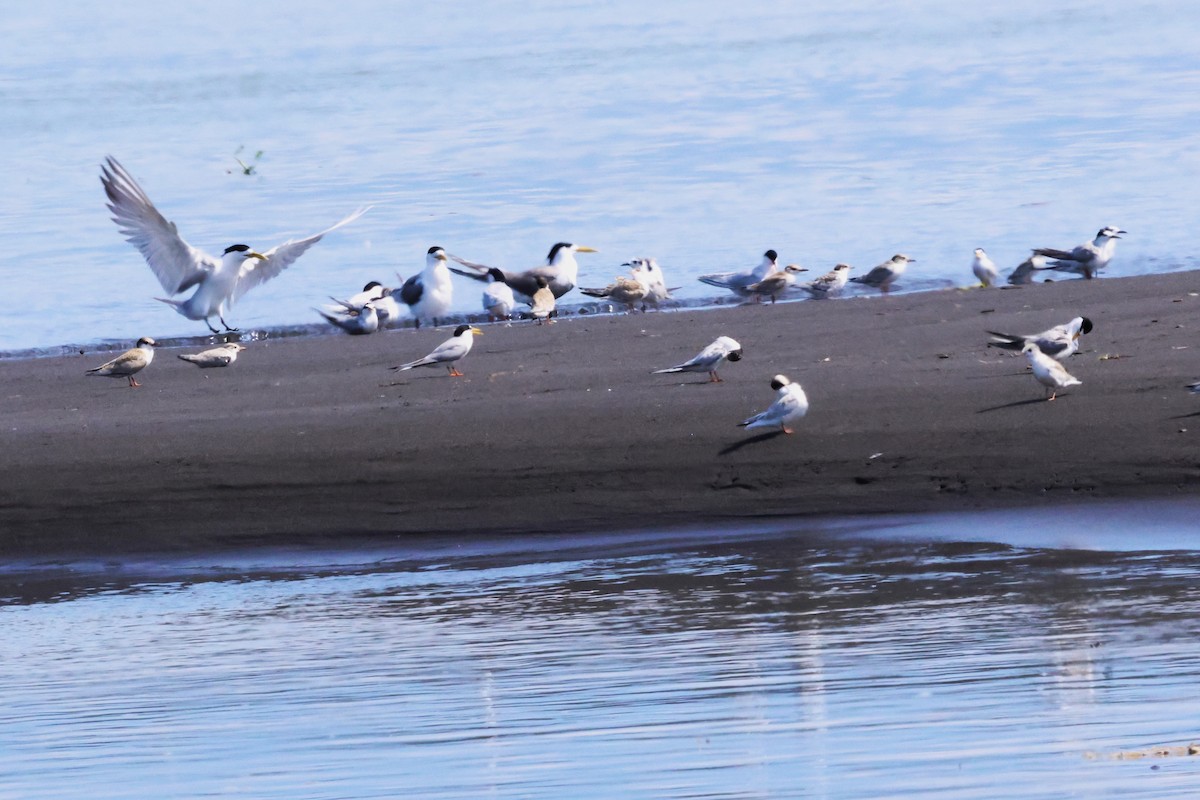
790 406
1060 342
561 271
429 293
448 353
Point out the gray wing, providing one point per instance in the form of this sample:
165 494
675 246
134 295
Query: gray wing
412 290
177 265
279 258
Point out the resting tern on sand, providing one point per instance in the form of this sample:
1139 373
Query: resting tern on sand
561 271
789 407
129 363
429 293
710 358
498 299
984 268
356 322
1049 373
1061 341
1086 259
374 293
883 276
221 356
448 352
219 282
830 284
737 282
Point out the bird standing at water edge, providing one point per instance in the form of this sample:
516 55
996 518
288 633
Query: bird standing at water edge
448 352
561 271
356 322
984 268
498 299
883 276
543 305
776 283
219 282
129 363
830 284
429 293
1086 259
737 282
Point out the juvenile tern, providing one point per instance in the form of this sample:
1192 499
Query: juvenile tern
561 271
542 304
428 294
830 284
1088 258
221 356
375 293
984 268
626 291
647 272
1049 373
776 283
737 282
1023 274
498 299
883 276
129 363
789 407
178 266
1061 341
356 322
448 352
710 358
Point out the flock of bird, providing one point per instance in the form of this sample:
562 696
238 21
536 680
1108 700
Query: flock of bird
428 295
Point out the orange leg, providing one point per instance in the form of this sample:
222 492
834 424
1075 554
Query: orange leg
133 383
454 373
713 377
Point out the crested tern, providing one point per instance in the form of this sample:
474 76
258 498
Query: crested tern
791 404
883 276
1049 373
561 271
356 322
984 268
429 293
129 363
498 299
1086 259
219 282
709 359
776 283
1061 341
221 356
737 282
830 284
448 352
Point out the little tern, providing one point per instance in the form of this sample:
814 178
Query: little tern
448 352
791 404
129 363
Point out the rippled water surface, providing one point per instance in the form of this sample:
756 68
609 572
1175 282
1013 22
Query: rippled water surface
840 663
700 133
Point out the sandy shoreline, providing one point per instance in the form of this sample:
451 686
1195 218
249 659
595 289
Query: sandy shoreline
562 428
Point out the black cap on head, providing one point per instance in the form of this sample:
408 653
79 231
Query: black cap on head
736 355
1086 327
236 248
771 254
432 250
371 286
779 381
554 250
496 273
461 329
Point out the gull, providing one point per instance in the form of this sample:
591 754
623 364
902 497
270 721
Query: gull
448 352
830 284
1088 258
647 272
722 350
219 282
626 291
221 356
883 276
984 268
561 271
737 282
1049 373
129 363
498 299
790 405
356 322
543 302
1061 341
776 283
1023 274
428 294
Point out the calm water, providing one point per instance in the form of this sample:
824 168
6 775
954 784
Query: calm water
860 660
700 133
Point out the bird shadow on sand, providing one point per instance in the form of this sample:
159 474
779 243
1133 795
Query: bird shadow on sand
1013 405
1185 416
761 437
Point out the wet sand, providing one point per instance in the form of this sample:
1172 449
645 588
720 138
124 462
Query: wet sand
562 428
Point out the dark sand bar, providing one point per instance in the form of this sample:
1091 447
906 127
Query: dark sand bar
313 441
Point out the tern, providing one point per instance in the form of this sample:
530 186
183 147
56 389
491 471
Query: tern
1061 341
647 272
1088 258
129 363
1023 274
830 284
776 283
722 350
626 291
356 322
984 268
737 282
428 294
219 282
791 404
448 352
374 293
883 276
561 271
543 303
221 356
1049 373
498 298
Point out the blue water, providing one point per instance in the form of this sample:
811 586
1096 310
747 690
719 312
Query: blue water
863 659
697 133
